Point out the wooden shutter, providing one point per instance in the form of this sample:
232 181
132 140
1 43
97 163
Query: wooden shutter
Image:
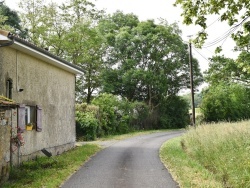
21 118
38 118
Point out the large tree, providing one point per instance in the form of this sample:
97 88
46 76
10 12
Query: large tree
68 31
9 20
84 48
146 61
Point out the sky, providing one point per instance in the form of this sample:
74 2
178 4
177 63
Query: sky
154 9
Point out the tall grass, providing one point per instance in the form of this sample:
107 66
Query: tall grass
223 149
186 171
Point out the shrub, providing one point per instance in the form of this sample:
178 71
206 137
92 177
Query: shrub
139 115
226 103
108 105
86 124
173 112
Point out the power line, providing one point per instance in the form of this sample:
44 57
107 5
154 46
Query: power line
225 35
221 38
201 54
207 26
213 23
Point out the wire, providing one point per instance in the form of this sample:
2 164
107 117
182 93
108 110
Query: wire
221 38
213 22
201 54
225 35
207 26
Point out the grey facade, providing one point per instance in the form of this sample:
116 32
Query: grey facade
44 87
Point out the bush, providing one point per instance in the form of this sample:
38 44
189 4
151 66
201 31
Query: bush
86 124
108 105
173 112
139 115
118 115
226 103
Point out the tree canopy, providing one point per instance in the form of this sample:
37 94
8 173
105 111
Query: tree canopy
222 69
145 61
10 20
235 12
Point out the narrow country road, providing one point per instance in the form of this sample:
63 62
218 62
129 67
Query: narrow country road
130 163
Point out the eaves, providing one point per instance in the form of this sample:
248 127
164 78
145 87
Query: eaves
29 48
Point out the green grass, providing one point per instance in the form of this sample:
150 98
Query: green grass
49 173
215 155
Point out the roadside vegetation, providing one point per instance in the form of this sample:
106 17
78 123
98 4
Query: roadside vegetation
212 155
50 172
112 115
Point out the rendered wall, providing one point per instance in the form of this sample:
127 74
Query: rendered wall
48 86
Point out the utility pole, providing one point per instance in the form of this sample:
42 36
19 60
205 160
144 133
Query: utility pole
191 82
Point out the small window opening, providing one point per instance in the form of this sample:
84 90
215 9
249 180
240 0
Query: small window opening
9 86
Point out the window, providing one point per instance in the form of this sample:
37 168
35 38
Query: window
9 86
29 114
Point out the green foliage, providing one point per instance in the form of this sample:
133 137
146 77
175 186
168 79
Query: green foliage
87 124
222 69
236 13
226 102
108 104
196 12
140 114
197 99
109 115
173 112
10 21
68 31
186 171
145 61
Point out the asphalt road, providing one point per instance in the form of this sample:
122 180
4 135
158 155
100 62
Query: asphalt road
130 163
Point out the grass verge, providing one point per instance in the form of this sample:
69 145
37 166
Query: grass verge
186 171
215 155
49 173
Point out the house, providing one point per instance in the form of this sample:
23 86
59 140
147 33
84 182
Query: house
43 86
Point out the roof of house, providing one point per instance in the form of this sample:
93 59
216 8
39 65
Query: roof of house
6 38
5 102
